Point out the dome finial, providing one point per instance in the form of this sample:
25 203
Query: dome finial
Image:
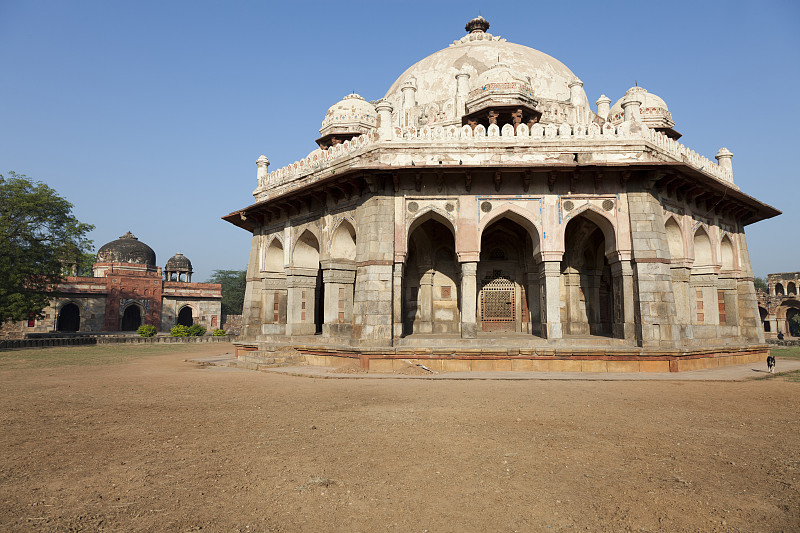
477 25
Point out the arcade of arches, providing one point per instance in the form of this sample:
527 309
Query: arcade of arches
779 305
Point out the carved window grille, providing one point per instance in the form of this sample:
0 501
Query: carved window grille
498 305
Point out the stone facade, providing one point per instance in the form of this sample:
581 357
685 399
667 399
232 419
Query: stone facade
490 203
126 291
779 304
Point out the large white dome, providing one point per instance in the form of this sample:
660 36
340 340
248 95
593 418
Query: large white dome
474 54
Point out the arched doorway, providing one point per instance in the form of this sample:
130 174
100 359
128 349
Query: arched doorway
506 261
69 318
764 318
430 288
185 316
587 285
793 322
131 318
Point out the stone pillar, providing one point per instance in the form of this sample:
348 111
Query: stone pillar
462 91
409 90
724 157
261 175
251 309
397 301
339 278
603 106
274 292
301 284
469 300
624 326
384 109
424 323
534 303
631 105
550 294
655 305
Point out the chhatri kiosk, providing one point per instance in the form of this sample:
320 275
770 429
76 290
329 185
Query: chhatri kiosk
483 215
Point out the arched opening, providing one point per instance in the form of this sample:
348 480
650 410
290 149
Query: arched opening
306 256
430 286
69 318
343 242
675 240
505 302
764 318
131 318
185 316
587 286
791 289
779 289
702 249
793 321
726 253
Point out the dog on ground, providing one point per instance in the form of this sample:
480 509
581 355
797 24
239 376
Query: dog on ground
771 363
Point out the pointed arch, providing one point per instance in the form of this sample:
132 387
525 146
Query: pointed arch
703 255
677 246
273 256
306 251
343 241
515 214
431 213
602 220
69 316
727 258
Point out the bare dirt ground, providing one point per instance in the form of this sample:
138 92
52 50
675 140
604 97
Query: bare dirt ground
143 441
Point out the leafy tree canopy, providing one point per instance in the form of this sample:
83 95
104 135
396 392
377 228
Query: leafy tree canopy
38 235
760 283
233 284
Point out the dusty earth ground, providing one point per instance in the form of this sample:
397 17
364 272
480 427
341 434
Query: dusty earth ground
136 439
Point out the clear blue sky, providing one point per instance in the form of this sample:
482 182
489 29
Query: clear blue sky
149 116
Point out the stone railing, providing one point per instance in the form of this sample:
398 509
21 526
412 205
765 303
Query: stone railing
453 134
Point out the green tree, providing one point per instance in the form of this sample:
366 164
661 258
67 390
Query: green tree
233 283
38 235
761 283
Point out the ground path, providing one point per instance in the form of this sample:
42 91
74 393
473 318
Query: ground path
145 441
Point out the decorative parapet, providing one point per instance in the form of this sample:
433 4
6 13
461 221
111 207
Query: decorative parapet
282 179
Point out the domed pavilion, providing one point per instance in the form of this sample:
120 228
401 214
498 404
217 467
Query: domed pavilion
126 290
484 215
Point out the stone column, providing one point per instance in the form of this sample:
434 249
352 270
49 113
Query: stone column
424 323
724 157
469 303
603 106
274 284
632 105
339 278
397 301
534 303
251 310
409 90
624 326
384 109
261 175
549 275
301 284
462 91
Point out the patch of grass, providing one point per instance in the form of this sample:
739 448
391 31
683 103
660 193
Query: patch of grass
789 352
101 354
791 375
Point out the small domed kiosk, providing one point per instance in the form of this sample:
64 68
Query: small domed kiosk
178 268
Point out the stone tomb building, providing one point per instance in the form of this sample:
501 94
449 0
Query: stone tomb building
127 290
483 215
780 304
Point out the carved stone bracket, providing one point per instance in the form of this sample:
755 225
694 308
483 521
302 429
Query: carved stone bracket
498 180
526 180
468 180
